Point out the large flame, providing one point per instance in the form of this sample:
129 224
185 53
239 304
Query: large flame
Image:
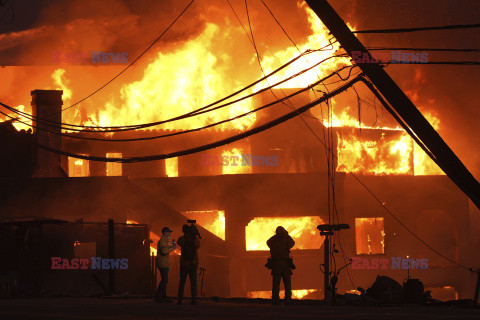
212 220
234 163
424 165
391 153
385 155
178 82
199 71
319 38
302 229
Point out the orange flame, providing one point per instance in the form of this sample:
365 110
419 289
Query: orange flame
302 229
212 220
234 165
296 294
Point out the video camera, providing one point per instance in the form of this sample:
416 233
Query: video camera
328 229
194 228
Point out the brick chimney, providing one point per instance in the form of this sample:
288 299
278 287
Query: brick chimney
47 104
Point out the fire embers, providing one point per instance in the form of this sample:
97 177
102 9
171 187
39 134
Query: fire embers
95 263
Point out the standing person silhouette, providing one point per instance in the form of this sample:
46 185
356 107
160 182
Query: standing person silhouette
164 248
189 244
281 264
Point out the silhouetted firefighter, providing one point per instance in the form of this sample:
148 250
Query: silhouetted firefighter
281 264
189 243
163 263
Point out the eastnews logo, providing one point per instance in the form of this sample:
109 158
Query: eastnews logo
95 57
395 56
396 263
94 263
239 160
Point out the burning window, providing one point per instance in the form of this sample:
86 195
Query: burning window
171 167
78 167
212 220
114 168
374 151
370 235
302 229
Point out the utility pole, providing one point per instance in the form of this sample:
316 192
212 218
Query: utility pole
328 230
401 104
326 264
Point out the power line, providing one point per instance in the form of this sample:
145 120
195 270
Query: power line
331 177
196 129
402 30
217 143
136 59
140 126
419 143
384 103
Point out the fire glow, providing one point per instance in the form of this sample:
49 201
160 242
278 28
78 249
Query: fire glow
178 79
302 229
212 220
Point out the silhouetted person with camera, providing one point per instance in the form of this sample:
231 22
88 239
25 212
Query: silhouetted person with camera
281 264
189 244
164 248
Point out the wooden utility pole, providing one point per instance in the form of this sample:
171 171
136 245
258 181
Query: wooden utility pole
401 104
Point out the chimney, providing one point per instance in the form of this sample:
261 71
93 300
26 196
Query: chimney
47 104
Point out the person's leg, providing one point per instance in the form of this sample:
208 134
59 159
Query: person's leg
158 292
193 283
181 286
287 283
275 287
164 282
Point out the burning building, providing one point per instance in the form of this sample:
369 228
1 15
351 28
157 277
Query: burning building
241 192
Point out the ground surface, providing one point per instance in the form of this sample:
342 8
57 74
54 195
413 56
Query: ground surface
96 308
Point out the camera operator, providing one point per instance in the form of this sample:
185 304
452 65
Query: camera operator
189 244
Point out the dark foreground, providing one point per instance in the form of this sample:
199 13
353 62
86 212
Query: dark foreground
96 308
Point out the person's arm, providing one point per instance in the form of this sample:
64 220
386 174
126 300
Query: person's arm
291 242
165 249
180 241
270 242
